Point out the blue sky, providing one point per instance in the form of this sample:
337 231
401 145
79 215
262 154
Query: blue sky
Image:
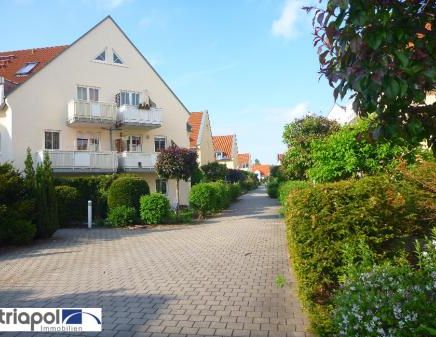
250 63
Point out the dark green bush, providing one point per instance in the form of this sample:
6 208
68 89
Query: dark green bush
154 208
273 188
20 232
126 191
94 188
68 203
214 171
122 216
223 195
387 214
235 191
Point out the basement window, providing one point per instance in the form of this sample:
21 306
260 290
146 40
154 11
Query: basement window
25 70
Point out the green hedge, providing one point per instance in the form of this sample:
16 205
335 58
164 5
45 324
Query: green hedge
286 187
154 208
121 216
387 213
68 203
94 188
126 191
209 198
273 188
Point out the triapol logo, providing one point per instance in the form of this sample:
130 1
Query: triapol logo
50 319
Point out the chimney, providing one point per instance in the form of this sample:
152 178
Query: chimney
2 92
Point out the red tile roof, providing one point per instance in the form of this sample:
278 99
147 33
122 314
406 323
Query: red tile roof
12 61
244 158
224 144
264 170
195 122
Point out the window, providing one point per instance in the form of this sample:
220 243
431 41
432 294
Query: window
159 144
87 142
85 93
51 141
26 69
219 155
117 59
134 144
101 57
161 186
129 98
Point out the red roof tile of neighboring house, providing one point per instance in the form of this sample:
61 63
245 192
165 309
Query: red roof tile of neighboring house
243 158
195 121
224 144
12 61
264 170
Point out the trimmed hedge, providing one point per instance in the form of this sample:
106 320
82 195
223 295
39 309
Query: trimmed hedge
154 208
68 202
273 188
122 216
126 191
286 187
387 213
209 198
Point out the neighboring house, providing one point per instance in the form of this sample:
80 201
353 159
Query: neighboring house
95 106
261 170
244 161
342 114
280 157
200 137
226 150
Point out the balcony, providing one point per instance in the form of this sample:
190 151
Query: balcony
137 161
131 116
81 161
85 113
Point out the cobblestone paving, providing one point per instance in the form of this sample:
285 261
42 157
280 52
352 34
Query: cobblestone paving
211 279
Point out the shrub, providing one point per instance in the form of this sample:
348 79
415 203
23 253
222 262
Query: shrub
273 188
322 219
126 191
68 203
154 208
185 216
389 300
20 232
288 186
122 216
214 171
204 198
235 191
94 188
223 195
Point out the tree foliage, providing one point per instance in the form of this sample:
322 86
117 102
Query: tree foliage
176 163
298 135
351 152
383 52
214 171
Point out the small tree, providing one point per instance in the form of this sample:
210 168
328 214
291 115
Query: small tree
214 171
29 170
298 135
46 199
176 163
257 161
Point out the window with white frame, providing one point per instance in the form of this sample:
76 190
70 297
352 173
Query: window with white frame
134 144
159 144
87 142
161 186
129 98
51 140
101 57
219 155
88 93
116 59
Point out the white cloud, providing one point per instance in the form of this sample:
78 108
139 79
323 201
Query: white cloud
286 25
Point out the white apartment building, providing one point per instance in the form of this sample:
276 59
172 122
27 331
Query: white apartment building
95 106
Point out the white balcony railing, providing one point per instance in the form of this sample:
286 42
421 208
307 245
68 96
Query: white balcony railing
70 161
129 161
131 115
94 112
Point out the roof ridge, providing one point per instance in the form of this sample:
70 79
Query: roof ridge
38 48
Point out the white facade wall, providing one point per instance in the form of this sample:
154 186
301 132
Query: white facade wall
40 103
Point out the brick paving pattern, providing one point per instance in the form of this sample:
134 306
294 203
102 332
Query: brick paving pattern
211 279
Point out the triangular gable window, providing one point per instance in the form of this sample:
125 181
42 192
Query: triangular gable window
117 59
102 56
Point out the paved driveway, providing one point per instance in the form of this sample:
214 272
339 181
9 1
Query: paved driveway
213 279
